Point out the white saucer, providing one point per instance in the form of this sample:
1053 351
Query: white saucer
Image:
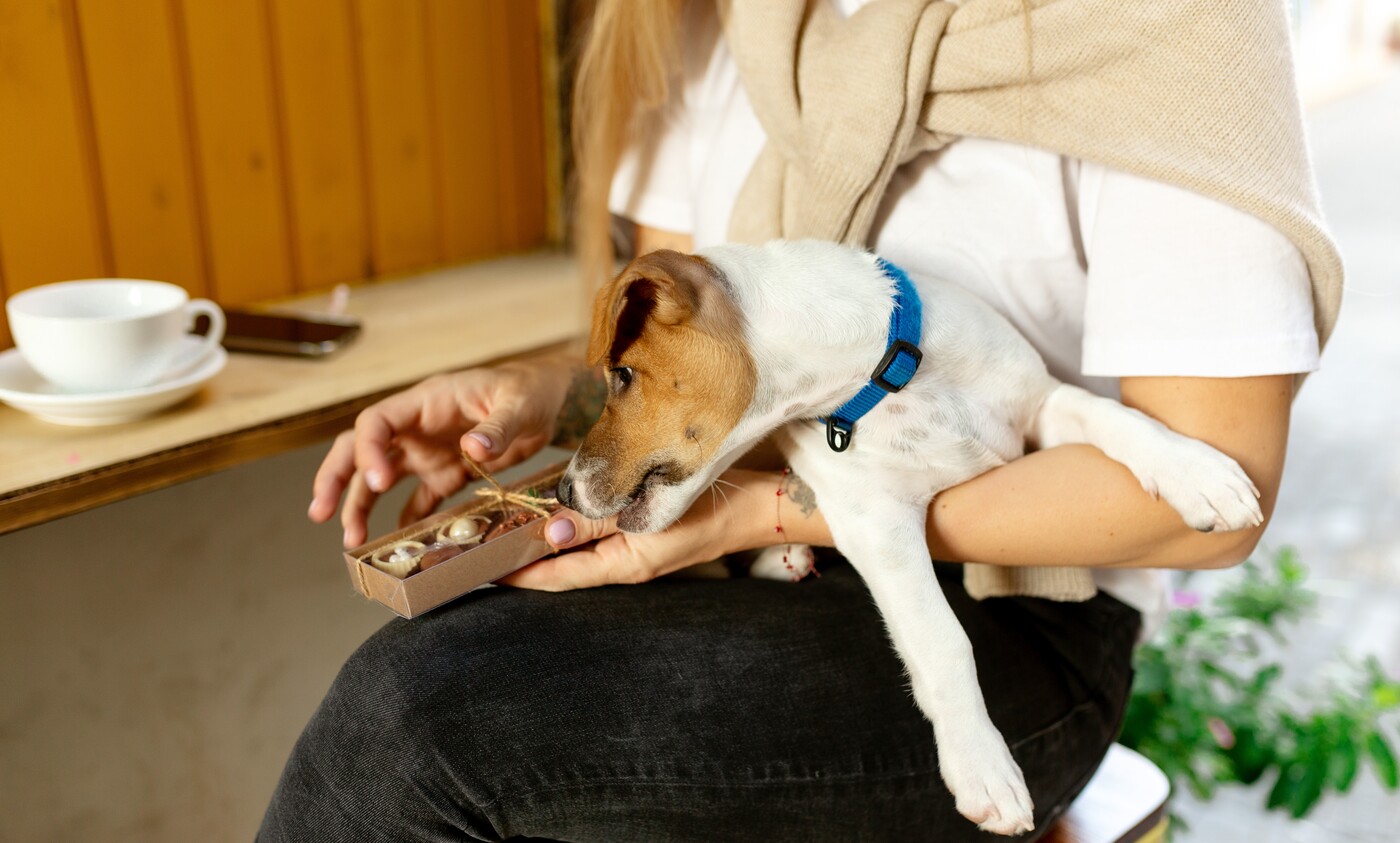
23 388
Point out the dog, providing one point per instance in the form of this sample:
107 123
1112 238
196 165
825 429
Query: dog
708 354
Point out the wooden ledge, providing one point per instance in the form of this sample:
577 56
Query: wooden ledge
261 405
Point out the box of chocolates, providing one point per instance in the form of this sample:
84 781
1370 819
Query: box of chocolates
450 553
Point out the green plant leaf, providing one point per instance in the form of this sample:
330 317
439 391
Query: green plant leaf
1344 764
1250 757
1209 666
1282 791
1386 696
1153 676
1264 678
1292 571
1384 760
1309 788
1141 722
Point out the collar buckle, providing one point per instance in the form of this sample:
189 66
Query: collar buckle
900 370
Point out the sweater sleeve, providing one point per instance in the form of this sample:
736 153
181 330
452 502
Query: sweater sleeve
1181 284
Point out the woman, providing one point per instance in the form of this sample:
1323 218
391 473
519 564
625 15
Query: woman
748 709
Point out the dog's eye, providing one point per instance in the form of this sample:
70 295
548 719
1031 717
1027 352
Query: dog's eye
622 377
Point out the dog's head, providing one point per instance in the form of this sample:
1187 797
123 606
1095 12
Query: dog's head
680 379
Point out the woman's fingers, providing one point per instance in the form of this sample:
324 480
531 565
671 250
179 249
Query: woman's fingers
579 569
609 562
354 515
332 477
375 429
567 528
491 437
595 553
605 563
418 432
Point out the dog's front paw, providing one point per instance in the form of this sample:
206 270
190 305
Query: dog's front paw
786 562
1208 489
987 785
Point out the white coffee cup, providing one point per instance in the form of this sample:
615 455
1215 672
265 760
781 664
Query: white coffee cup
108 334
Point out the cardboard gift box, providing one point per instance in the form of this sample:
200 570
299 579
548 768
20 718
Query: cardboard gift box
474 567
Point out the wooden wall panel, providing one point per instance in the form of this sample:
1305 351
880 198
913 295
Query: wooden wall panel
250 149
236 142
469 114
527 122
314 64
506 152
515 50
143 143
50 206
391 42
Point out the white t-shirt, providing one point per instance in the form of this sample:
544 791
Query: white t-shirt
1106 273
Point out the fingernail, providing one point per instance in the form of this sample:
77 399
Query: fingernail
375 481
311 510
560 532
345 538
485 441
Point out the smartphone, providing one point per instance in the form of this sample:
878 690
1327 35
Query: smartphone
275 333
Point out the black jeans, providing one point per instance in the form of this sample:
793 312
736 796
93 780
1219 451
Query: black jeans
726 710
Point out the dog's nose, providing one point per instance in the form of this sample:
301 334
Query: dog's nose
565 491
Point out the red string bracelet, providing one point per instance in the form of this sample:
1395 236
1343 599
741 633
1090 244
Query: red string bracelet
778 516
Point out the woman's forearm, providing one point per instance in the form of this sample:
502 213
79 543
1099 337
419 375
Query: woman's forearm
1073 506
1068 506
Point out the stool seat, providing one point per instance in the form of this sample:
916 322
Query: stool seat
1125 802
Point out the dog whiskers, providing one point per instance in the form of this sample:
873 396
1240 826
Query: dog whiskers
735 486
714 487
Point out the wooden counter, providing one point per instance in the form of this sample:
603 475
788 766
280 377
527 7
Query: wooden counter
261 405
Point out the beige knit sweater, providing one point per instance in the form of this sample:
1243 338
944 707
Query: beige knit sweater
1197 93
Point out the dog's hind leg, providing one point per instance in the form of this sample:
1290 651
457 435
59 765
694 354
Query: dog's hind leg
1208 489
883 537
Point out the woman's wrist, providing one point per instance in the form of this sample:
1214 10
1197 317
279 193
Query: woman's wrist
762 517
752 507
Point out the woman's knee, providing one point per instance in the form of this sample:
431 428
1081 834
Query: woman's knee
383 754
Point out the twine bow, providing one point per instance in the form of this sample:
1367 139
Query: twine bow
505 499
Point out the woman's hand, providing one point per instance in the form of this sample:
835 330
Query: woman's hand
499 416
735 515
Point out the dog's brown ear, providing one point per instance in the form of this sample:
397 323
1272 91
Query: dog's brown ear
661 286
607 306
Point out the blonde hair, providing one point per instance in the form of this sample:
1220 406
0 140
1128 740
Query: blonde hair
623 70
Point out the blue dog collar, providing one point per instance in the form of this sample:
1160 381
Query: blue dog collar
897 367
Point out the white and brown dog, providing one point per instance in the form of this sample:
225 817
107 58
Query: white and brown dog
710 353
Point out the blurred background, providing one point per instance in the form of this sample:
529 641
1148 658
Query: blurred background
158 656
1340 501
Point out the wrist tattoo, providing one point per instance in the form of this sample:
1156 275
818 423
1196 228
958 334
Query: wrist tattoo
801 494
583 404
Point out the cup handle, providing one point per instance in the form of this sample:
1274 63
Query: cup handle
215 335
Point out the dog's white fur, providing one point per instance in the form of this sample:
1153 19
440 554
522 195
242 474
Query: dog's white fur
816 317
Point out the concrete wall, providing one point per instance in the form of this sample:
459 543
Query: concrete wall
159 656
